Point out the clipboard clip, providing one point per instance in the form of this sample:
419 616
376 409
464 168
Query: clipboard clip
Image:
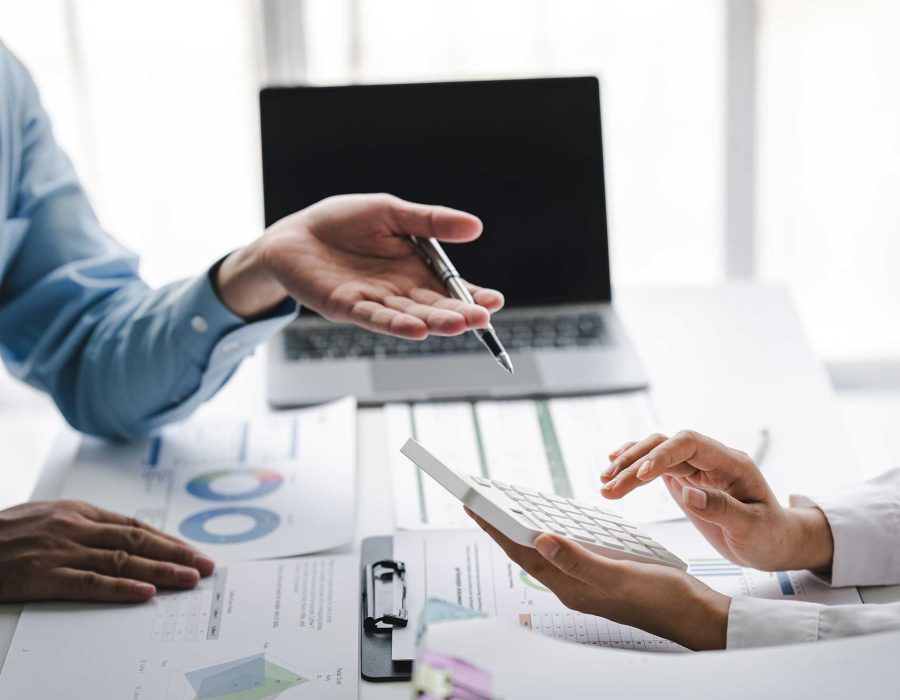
385 570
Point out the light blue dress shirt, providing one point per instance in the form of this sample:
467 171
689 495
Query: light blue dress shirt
76 320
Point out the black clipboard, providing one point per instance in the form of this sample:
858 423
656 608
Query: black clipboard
380 573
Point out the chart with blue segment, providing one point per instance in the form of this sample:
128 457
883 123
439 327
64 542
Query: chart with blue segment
234 484
271 485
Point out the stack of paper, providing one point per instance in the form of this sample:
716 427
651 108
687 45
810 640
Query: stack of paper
556 445
272 486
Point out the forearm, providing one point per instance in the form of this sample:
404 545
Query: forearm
123 359
810 544
864 524
245 284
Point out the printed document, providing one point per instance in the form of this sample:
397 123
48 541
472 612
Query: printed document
252 631
467 568
273 485
556 445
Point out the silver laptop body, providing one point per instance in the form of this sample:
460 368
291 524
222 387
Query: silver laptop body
525 156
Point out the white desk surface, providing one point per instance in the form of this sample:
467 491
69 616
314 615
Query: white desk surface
720 360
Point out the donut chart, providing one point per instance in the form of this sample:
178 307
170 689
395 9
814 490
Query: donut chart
196 527
204 486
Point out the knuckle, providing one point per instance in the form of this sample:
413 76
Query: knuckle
163 571
687 435
136 538
61 520
87 582
119 560
657 437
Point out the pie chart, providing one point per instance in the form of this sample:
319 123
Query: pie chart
229 525
234 484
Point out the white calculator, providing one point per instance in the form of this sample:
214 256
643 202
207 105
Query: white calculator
522 514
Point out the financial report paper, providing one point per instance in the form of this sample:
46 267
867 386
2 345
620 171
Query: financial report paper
556 445
466 568
252 631
272 485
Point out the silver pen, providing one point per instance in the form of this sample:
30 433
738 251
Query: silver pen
435 257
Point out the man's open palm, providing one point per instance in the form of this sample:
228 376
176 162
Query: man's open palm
348 258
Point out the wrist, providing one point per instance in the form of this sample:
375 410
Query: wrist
246 284
703 623
813 544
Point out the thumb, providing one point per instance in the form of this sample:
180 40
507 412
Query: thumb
431 221
574 560
717 507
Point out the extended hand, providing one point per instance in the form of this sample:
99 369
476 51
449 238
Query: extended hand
68 550
655 598
726 496
347 257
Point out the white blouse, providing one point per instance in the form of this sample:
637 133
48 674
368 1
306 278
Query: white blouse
865 523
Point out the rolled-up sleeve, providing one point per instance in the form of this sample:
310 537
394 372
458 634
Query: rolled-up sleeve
76 320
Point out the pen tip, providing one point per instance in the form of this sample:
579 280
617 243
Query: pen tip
505 362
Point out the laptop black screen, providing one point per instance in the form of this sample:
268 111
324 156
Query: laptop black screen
523 155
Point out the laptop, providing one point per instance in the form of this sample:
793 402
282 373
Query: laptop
526 157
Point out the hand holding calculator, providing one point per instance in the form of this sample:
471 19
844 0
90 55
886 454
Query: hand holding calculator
522 514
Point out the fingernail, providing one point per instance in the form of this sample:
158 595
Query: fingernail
145 589
644 470
609 472
695 498
203 562
547 546
185 575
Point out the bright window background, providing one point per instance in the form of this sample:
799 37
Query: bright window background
662 98
829 168
156 105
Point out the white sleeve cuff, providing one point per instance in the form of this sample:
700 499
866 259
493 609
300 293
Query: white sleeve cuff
865 525
757 622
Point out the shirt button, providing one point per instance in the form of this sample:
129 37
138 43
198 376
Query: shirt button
199 324
230 346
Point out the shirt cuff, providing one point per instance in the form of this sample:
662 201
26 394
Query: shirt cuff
865 526
215 337
757 622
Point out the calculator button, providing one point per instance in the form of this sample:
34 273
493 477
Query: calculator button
606 513
612 544
526 492
594 530
555 499
512 495
581 519
581 534
597 515
638 549
556 528
502 486
479 480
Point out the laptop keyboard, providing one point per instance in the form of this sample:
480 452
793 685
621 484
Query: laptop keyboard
516 333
